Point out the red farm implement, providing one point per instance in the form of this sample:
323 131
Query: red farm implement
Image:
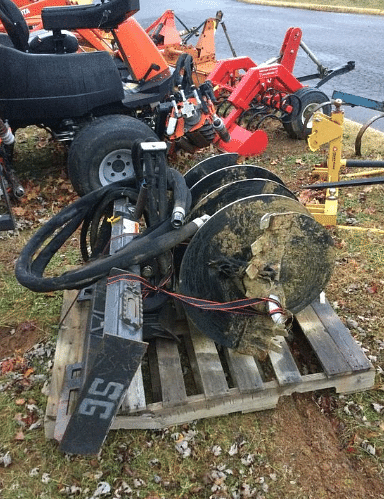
248 93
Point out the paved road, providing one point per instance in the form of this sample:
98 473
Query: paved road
258 31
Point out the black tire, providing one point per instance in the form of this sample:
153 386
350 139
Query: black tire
304 102
101 152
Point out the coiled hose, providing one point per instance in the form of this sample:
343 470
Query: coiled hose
154 241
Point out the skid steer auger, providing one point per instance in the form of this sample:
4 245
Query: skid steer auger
230 243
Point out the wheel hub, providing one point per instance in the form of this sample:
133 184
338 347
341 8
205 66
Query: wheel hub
116 166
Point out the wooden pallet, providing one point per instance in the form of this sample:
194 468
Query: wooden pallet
193 379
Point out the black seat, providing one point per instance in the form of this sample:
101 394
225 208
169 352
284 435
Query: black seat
104 15
14 24
19 35
47 88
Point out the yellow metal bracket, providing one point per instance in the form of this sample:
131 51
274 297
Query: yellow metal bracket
327 129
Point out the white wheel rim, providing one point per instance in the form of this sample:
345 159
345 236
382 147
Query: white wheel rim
117 165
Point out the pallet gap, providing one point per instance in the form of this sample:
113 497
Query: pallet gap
266 369
189 380
305 357
224 363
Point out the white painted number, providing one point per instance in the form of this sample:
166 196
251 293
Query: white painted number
111 392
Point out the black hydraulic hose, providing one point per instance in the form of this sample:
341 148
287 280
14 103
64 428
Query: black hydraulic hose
154 241
162 186
184 64
69 220
137 251
181 195
92 220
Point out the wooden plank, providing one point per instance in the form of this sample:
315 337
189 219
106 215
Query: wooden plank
198 407
205 362
244 371
135 397
69 350
325 348
170 371
341 336
284 364
345 368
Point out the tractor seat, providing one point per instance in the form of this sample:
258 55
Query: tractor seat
5 40
103 15
45 88
40 42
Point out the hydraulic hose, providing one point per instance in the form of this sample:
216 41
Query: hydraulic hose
91 223
182 198
152 243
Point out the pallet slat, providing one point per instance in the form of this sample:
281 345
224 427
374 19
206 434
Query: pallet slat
244 371
222 384
326 349
205 361
284 364
135 397
170 372
69 350
341 336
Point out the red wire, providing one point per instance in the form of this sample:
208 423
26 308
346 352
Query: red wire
237 305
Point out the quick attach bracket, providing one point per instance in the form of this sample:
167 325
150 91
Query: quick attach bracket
329 129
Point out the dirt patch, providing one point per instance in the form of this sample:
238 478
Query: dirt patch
18 339
308 448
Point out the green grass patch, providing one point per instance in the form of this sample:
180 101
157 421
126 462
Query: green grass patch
335 5
18 304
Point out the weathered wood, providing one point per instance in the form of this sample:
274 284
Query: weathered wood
345 369
69 350
244 371
198 407
170 371
327 352
284 364
135 396
341 336
206 364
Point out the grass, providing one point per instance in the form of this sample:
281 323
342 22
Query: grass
18 304
369 6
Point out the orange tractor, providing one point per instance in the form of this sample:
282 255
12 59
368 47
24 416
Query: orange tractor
109 101
99 104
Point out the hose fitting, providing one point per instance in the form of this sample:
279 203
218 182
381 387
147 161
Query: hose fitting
178 217
221 129
6 134
277 317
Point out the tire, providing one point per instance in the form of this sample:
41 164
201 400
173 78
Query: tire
101 152
304 102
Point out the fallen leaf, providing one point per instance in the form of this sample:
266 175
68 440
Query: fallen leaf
377 407
28 372
45 478
18 210
19 436
5 459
